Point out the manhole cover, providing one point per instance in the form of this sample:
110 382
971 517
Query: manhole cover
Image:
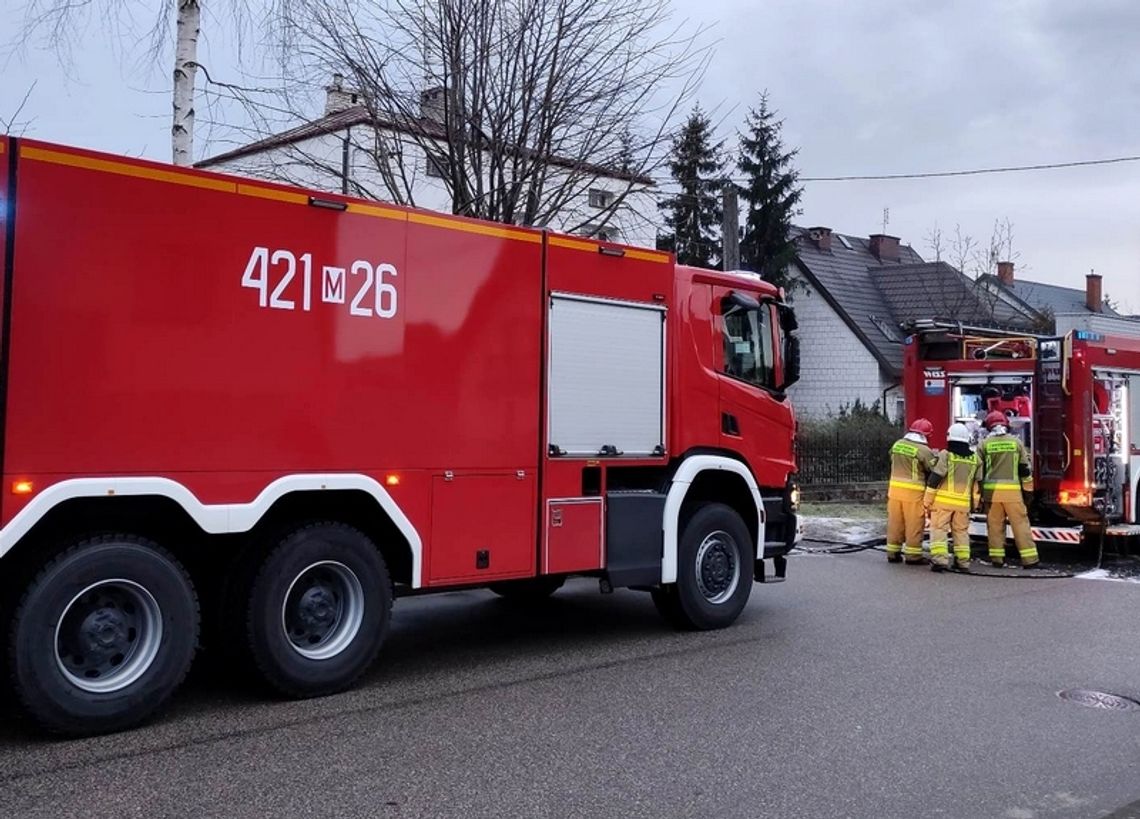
1099 699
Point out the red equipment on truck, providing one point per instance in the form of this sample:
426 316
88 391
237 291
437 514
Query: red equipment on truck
287 405
1074 401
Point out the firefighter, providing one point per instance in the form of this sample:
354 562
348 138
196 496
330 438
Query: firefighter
911 462
1006 474
951 492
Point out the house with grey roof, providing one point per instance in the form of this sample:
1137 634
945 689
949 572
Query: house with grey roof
853 295
353 151
1062 308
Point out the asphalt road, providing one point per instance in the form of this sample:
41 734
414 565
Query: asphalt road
854 689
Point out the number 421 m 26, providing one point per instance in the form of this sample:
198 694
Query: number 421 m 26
373 286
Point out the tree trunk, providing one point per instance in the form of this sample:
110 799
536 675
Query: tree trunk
185 73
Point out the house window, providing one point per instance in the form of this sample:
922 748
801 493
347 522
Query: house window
600 198
435 168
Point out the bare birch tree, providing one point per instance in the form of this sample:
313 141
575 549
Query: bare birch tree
519 106
59 25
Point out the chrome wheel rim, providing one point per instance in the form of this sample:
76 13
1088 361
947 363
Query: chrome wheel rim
323 610
108 636
718 567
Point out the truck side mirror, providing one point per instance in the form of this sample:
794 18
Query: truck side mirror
791 361
788 326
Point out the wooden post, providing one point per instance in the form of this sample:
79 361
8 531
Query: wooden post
730 227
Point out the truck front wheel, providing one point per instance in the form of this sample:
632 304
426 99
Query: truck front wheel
318 610
102 636
714 571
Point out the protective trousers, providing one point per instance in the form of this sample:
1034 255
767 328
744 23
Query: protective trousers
1014 511
906 521
957 522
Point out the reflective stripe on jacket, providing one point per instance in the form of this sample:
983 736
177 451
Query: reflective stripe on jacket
1006 468
953 481
911 462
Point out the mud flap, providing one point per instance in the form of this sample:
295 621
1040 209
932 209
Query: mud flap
779 570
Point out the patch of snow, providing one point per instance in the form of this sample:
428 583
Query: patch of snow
1106 574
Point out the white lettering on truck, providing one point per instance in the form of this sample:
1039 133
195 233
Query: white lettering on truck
375 290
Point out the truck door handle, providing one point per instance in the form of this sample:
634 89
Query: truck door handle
729 424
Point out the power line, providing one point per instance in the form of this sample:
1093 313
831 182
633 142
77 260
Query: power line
932 174
973 172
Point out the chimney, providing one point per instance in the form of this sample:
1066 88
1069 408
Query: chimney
1005 273
1094 293
339 98
431 104
821 236
885 248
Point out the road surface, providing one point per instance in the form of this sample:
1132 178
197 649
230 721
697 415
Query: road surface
854 689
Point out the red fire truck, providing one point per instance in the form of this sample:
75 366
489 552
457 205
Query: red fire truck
1073 400
273 410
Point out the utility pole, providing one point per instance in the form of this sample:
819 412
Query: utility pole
730 227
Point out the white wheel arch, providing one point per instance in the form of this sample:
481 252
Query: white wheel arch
215 519
687 473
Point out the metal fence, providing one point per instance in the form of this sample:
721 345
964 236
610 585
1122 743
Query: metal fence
843 455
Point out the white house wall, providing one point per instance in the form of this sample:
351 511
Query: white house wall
1097 323
316 163
835 366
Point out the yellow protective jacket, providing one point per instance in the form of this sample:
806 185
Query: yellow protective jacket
953 482
1007 470
911 463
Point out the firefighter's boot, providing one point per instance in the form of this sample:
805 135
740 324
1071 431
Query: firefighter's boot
939 556
962 555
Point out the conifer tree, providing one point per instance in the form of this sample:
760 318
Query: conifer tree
770 195
692 216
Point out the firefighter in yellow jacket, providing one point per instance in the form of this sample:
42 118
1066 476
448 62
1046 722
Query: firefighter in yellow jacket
951 492
1006 473
911 462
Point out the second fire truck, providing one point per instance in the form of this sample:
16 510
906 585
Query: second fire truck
1074 401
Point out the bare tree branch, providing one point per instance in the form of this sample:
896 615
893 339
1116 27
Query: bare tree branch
12 124
523 106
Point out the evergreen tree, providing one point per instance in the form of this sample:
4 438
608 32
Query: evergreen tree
693 214
770 194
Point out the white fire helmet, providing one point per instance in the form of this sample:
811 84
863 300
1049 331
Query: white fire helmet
959 433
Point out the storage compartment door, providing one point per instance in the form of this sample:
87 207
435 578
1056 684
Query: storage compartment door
607 377
573 535
482 528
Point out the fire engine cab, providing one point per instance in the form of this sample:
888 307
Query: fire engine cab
269 411
1074 401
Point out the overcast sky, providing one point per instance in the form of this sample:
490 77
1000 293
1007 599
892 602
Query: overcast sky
867 87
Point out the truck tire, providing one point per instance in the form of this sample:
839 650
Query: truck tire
318 610
714 571
102 636
533 590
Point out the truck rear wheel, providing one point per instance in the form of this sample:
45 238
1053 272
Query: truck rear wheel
102 636
714 571
318 610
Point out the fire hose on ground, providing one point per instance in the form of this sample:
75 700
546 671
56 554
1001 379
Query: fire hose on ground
830 547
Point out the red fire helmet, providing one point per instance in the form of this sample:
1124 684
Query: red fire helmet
922 427
995 418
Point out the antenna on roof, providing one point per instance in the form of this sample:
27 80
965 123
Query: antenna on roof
886 218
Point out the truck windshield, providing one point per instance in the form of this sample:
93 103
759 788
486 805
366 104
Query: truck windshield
748 352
